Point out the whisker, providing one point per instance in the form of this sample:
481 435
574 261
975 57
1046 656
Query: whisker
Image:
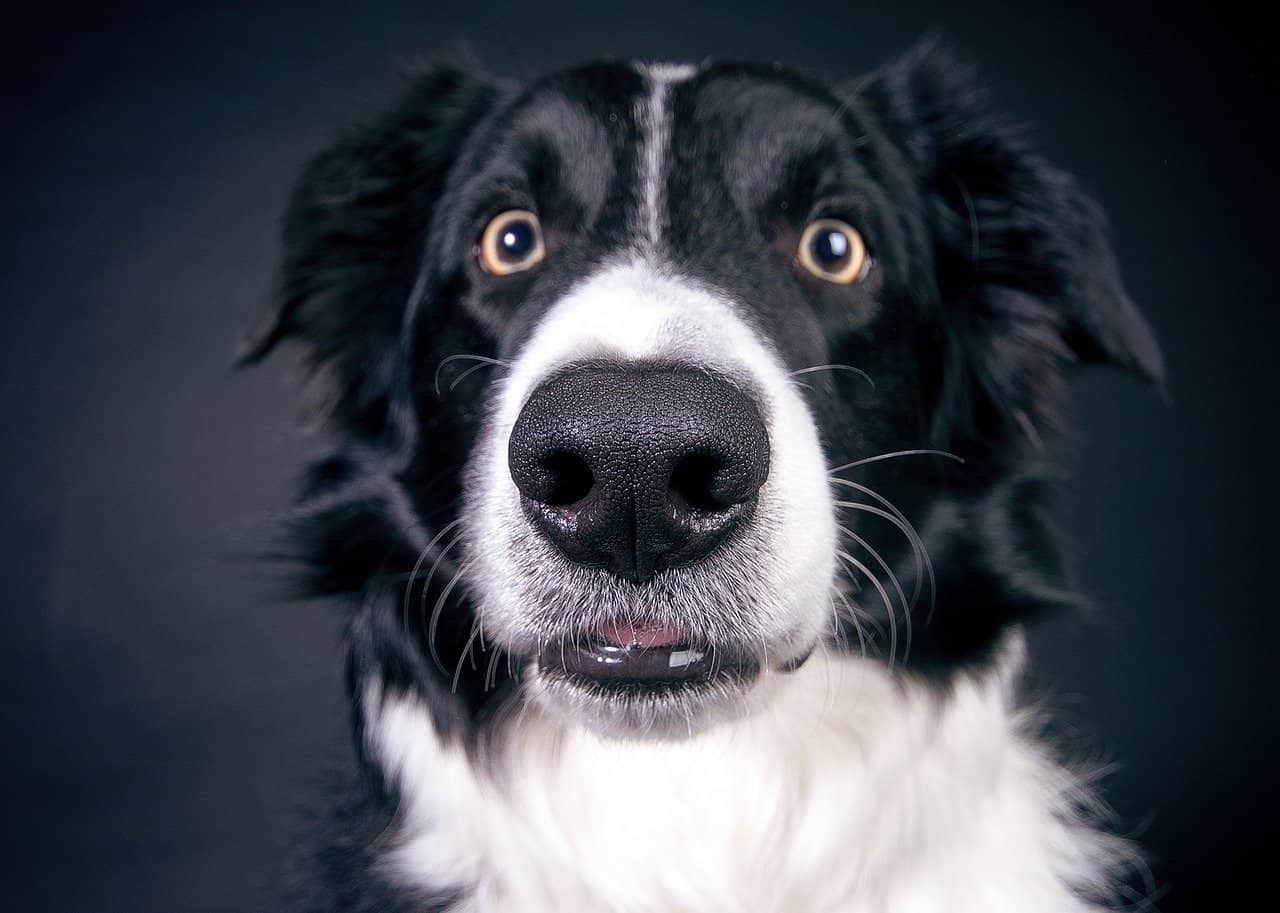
893 579
466 651
922 557
479 623
899 519
435 566
853 617
863 374
408 590
435 618
483 359
491 673
837 629
893 456
463 376
888 604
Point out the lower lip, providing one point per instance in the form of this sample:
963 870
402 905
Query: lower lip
640 656
617 664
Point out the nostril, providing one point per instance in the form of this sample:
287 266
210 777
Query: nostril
693 479
571 478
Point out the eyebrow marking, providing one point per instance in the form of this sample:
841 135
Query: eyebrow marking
653 118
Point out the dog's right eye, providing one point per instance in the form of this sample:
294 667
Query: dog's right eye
511 243
834 251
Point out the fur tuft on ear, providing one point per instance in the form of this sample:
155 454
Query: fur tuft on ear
353 237
1026 277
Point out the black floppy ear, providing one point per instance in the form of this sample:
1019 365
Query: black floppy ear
1026 276
353 237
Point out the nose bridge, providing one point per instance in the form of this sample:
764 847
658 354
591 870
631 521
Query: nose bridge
640 310
634 325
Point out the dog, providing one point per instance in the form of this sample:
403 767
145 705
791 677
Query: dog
685 474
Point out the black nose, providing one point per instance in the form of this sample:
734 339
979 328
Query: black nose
638 468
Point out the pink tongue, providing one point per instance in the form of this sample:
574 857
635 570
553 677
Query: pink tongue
625 634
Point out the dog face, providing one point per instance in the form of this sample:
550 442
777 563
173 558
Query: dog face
650 380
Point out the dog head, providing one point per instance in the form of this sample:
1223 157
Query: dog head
646 381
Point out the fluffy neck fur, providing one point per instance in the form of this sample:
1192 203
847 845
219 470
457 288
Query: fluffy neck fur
847 790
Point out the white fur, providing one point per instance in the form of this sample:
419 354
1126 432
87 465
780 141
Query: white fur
654 119
846 791
637 311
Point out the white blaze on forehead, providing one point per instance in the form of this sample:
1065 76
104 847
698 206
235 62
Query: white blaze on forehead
653 119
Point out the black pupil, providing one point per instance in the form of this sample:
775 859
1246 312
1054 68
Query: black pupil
830 247
517 239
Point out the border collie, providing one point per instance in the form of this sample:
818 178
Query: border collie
686 479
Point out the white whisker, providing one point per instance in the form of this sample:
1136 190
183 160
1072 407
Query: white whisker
863 374
853 617
435 566
422 557
483 360
893 456
893 579
466 651
899 519
888 603
435 619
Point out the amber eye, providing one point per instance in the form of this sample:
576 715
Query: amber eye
833 250
511 243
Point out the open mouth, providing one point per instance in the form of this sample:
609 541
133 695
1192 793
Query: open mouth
633 657
637 674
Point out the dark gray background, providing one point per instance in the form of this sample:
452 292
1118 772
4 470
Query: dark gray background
162 706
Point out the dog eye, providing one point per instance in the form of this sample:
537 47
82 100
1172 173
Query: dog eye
834 251
511 243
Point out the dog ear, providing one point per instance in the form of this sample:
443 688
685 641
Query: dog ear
353 237
1026 275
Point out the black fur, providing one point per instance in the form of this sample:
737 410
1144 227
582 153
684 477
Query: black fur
992 276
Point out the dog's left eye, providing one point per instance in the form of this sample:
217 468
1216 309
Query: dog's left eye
834 251
511 243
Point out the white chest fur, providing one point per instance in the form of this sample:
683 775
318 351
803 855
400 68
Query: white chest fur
848 792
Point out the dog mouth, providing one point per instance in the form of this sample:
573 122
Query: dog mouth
641 678
634 656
